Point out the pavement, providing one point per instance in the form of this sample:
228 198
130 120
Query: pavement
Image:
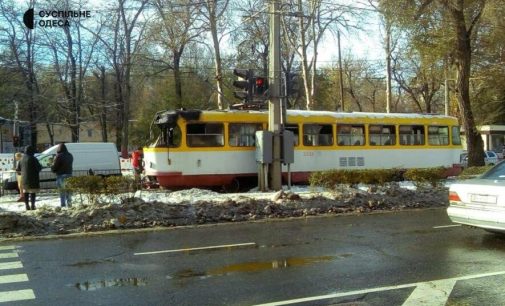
8 202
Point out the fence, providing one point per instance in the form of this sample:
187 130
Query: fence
47 179
6 161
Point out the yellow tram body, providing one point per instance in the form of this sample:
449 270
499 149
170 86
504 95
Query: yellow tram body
215 148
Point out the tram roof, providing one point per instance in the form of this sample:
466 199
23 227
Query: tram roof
310 113
171 115
305 113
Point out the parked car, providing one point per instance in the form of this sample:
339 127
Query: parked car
490 158
480 202
89 157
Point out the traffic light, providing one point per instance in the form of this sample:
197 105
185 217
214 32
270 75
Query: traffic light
261 86
245 83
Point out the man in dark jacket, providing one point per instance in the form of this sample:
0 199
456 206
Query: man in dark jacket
62 166
30 168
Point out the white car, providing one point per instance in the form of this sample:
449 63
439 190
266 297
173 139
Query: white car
480 202
490 158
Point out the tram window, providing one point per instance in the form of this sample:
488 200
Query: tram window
169 137
205 134
295 129
456 137
411 135
438 135
350 135
243 134
317 135
382 135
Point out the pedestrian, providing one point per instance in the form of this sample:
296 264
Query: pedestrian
30 168
62 166
137 157
18 157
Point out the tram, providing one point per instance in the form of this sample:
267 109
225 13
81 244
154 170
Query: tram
195 148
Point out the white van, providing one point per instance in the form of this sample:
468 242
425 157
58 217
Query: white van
97 158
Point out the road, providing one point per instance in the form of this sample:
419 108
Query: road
402 258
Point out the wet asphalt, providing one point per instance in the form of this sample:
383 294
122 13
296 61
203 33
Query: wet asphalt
262 262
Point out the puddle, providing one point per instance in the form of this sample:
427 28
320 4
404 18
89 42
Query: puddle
282 245
118 282
270 265
91 262
188 273
249 267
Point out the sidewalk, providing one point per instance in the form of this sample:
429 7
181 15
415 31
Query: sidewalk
8 202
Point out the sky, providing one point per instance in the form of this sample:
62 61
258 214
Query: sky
362 44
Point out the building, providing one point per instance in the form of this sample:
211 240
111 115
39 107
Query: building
88 132
493 137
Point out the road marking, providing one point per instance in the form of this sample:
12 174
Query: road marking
446 226
335 295
16 295
14 278
445 283
8 255
200 248
7 247
10 265
431 293
13 295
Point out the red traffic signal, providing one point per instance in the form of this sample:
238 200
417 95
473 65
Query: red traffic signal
261 86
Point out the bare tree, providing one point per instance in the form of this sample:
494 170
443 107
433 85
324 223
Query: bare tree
214 11
177 29
72 53
251 36
420 83
314 19
127 31
21 42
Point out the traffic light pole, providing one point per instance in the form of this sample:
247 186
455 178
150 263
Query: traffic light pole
274 103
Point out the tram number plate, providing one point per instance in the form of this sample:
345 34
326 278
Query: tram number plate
308 153
482 198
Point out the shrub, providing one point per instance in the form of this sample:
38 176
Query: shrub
85 184
91 186
121 184
425 175
332 178
473 171
94 186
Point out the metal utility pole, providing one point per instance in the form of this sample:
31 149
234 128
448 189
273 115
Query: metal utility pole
446 95
388 65
274 103
340 75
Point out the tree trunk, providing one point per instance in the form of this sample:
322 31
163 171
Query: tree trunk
177 79
217 53
74 104
103 110
463 54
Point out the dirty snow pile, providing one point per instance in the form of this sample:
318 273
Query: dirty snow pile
154 208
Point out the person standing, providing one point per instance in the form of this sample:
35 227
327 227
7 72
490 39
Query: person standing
18 157
62 166
137 160
30 168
